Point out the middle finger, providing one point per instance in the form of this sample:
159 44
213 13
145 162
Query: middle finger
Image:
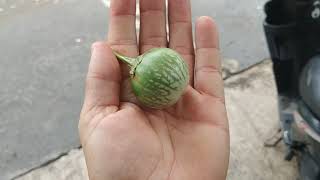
152 24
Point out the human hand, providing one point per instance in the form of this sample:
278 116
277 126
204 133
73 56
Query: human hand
122 140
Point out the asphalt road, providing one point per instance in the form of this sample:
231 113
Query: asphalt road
45 48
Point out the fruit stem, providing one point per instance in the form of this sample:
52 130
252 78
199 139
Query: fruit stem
129 61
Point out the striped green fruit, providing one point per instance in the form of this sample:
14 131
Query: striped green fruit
158 77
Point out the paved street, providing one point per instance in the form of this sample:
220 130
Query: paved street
45 46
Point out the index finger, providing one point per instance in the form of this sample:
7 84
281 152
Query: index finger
122 28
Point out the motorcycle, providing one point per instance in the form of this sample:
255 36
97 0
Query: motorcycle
292 30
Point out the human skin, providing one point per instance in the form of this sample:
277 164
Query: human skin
125 141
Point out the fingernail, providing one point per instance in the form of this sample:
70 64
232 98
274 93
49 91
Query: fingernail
93 47
205 18
97 45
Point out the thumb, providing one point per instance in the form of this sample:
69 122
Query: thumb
103 78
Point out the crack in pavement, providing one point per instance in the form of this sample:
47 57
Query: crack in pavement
46 163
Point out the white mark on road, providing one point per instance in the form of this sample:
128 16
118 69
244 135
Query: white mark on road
1 10
259 7
78 40
13 6
106 3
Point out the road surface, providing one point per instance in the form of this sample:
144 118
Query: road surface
45 48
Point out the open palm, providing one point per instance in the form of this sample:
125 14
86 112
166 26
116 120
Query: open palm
122 140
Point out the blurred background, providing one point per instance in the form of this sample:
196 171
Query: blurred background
44 53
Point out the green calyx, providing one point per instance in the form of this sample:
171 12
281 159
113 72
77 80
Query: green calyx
131 62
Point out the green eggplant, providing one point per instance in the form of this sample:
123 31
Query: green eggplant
158 77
